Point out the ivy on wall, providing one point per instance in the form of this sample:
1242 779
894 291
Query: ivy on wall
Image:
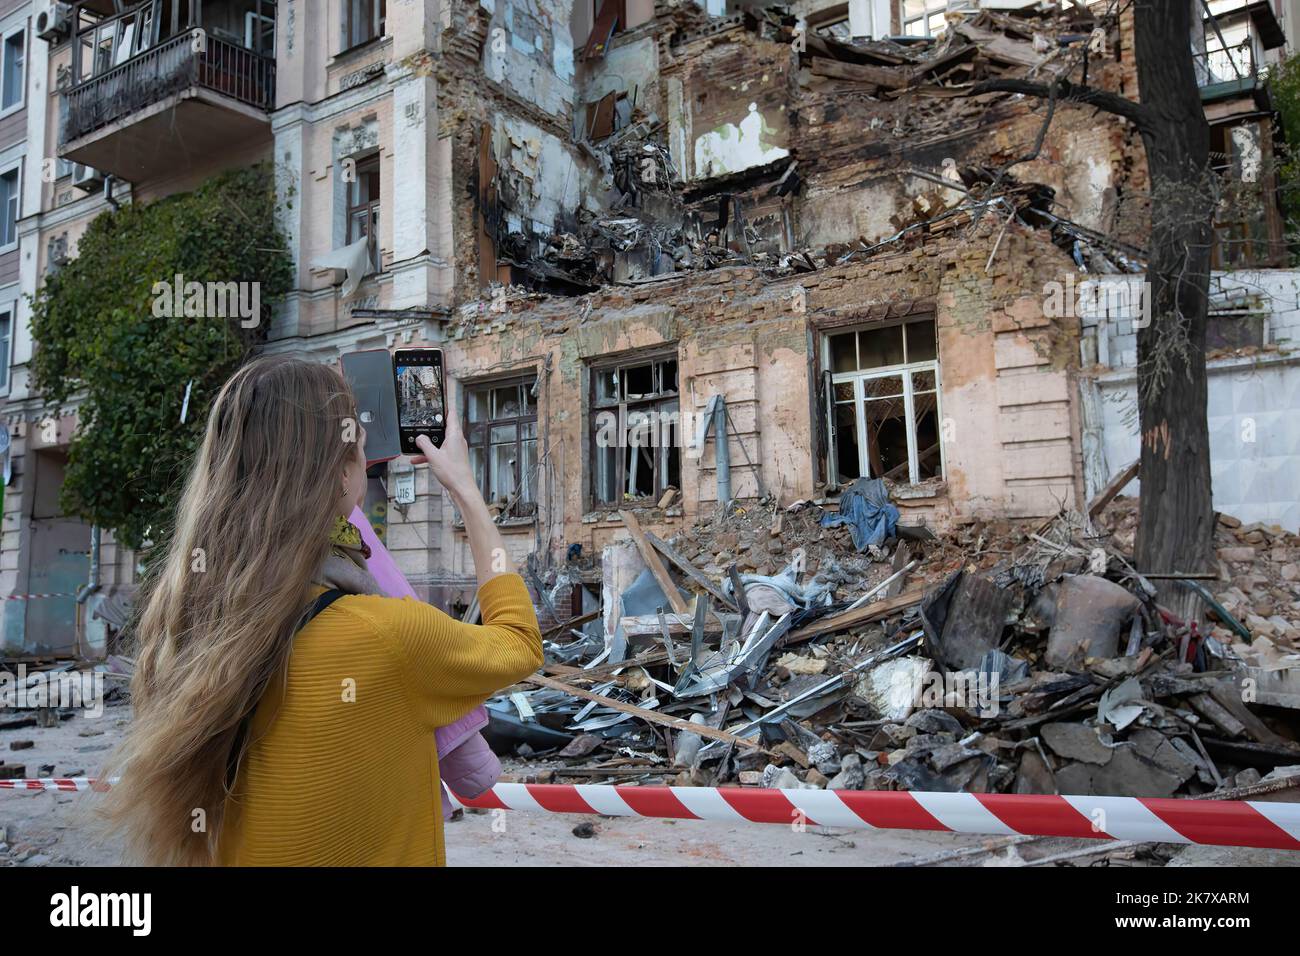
144 310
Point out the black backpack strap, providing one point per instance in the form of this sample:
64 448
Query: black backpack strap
324 600
321 603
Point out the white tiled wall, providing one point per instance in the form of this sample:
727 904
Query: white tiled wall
1254 401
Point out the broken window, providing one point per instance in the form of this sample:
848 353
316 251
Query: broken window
884 414
363 21
1234 329
1247 218
501 430
363 207
636 432
927 18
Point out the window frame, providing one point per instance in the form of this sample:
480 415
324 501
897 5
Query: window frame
9 308
930 9
623 408
21 102
479 435
904 370
371 207
378 25
15 167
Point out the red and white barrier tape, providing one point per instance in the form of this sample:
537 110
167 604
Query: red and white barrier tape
1145 819
1213 822
32 597
52 783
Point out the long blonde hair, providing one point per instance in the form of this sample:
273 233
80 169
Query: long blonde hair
252 529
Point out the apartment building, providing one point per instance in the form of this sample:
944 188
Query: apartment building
675 253
15 177
120 104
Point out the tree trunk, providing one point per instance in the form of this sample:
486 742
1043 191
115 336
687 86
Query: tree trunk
1177 522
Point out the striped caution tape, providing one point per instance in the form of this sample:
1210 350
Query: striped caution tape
32 597
1143 819
1213 822
54 783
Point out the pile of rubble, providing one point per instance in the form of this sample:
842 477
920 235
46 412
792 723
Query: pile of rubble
653 226
778 647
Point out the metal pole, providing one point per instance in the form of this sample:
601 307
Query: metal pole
722 451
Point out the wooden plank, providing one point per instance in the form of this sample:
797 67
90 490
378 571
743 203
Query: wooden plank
999 46
572 622
1228 696
1113 488
738 589
652 561
605 671
693 574
653 716
902 563
642 624
844 620
891 78
1215 713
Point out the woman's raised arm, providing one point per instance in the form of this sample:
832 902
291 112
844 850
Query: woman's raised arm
450 465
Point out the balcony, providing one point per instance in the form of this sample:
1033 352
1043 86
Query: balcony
1226 72
1230 64
187 97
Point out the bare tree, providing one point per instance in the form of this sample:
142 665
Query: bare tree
1177 516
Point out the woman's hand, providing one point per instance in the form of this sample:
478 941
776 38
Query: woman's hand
450 463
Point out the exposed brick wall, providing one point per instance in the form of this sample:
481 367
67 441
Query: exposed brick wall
1005 370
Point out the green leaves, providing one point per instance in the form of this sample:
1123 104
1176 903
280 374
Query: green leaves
100 347
1284 90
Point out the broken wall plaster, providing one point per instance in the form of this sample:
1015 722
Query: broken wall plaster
735 147
629 68
530 52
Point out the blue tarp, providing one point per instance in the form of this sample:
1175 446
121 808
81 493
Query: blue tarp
865 508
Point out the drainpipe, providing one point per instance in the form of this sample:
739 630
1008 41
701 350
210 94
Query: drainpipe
108 193
93 584
721 451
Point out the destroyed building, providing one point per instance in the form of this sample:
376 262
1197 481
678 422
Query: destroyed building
698 270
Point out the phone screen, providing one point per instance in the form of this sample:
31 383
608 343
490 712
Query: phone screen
420 406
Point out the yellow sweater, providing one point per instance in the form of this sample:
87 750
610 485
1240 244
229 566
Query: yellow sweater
341 768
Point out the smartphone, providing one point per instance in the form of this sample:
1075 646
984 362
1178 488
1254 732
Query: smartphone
421 409
370 375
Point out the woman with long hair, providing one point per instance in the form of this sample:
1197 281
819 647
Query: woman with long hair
280 720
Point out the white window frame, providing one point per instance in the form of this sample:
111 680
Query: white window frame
6 169
932 8
858 378
27 57
11 309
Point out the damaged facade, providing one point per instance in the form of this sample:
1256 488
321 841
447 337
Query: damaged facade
749 230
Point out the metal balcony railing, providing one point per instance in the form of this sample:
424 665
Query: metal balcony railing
169 67
1232 66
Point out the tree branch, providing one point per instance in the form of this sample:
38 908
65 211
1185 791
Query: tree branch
1113 103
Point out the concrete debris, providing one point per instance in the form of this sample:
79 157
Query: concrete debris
663 208
1030 665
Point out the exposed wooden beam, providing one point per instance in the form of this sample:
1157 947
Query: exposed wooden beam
653 562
